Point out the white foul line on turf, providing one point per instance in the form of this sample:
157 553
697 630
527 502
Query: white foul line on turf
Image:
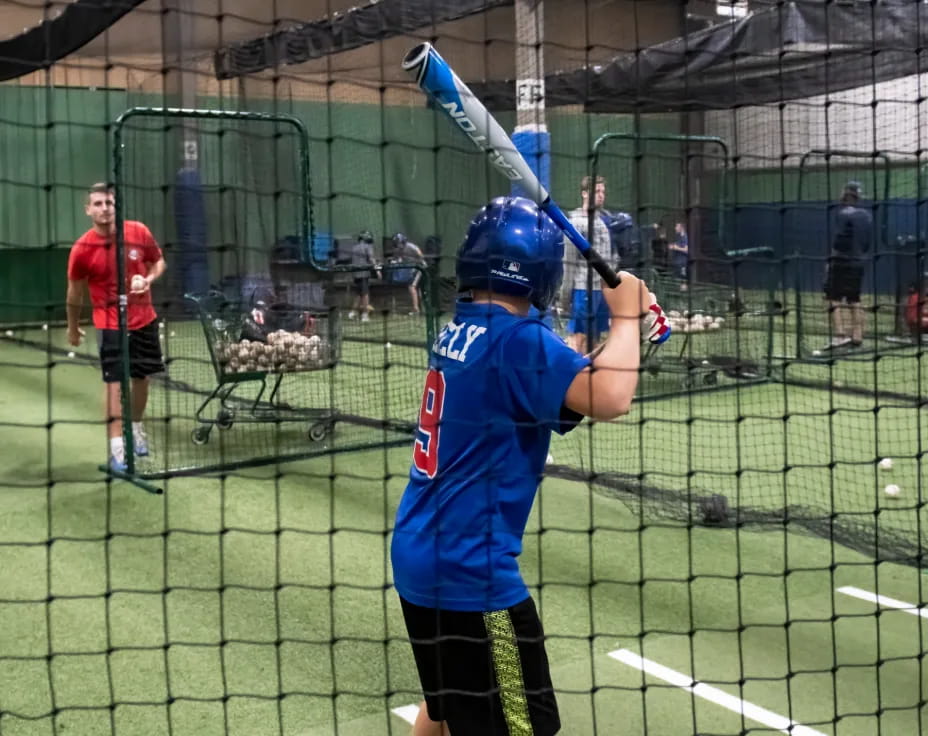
719 697
884 601
407 712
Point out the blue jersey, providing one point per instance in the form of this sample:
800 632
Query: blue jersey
494 393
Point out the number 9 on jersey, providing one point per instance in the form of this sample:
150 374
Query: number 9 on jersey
425 451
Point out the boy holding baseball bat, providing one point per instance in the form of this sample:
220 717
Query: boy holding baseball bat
499 382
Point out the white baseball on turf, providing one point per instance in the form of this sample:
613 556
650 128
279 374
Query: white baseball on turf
138 282
9 333
45 328
886 463
71 354
816 353
892 490
388 345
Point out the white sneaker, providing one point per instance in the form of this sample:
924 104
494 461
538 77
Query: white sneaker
352 314
140 440
365 317
838 342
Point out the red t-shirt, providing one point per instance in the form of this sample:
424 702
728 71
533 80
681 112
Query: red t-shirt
93 257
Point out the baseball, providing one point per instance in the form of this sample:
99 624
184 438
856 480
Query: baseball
892 490
138 282
71 354
886 463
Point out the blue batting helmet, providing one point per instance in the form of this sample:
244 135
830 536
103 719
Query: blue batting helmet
514 248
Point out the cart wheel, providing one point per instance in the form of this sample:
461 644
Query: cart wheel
318 431
710 379
225 419
200 436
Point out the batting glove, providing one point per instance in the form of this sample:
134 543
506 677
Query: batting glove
654 326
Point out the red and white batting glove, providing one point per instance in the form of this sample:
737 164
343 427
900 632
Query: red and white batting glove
654 326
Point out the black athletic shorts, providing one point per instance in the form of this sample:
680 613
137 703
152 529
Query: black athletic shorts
843 280
362 286
486 674
144 352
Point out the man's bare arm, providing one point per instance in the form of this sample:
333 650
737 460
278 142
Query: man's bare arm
74 302
156 270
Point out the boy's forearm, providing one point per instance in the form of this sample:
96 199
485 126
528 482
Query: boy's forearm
622 349
606 390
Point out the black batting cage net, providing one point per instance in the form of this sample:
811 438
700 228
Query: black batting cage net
204 546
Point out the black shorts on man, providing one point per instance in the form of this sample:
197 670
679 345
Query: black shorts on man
362 285
484 673
144 353
843 280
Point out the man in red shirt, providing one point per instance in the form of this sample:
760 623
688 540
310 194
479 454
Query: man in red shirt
93 262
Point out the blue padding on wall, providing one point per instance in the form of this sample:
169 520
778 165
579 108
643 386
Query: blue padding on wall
190 224
535 147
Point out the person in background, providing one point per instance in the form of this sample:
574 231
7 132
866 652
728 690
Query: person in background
853 236
362 254
407 251
92 264
583 306
679 249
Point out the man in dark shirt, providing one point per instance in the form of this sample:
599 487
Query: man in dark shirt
853 234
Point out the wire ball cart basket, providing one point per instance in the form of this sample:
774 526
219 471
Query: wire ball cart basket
264 344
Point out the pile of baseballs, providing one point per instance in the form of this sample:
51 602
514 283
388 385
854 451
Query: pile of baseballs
687 321
283 352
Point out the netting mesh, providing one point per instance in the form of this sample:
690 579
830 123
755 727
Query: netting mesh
742 552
